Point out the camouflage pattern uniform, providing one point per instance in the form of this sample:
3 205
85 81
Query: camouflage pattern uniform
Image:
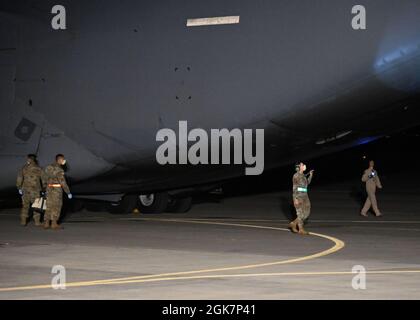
29 181
54 181
303 205
371 183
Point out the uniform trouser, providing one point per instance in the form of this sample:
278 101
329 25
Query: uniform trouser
303 208
54 203
28 198
371 202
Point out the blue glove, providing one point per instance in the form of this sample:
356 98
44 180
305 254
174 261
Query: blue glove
70 196
21 192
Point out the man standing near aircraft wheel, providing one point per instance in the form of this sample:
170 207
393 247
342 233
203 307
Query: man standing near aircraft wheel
55 182
29 186
300 198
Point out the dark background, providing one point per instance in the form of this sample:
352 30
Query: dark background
396 160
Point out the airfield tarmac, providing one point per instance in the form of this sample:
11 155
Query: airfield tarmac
232 248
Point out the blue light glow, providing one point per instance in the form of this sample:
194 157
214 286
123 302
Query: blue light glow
365 140
399 68
396 55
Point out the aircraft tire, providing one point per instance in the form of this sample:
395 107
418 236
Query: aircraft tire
153 203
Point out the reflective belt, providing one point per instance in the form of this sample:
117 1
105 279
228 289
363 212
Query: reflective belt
300 189
54 185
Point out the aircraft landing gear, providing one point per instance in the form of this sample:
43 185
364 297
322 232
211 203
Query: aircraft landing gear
153 202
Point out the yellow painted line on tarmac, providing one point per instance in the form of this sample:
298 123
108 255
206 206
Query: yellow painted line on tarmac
280 220
317 221
338 245
218 276
254 275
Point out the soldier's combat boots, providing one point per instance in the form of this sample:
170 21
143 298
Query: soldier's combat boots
23 221
302 231
293 225
46 224
37 221
55 225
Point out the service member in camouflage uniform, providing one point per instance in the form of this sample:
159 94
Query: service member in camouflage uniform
29 185
371 178
55 182
300 198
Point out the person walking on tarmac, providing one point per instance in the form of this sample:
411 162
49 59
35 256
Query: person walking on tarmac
29 186
371 178
301 198
55 182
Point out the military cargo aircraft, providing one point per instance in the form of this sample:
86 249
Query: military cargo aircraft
96 80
